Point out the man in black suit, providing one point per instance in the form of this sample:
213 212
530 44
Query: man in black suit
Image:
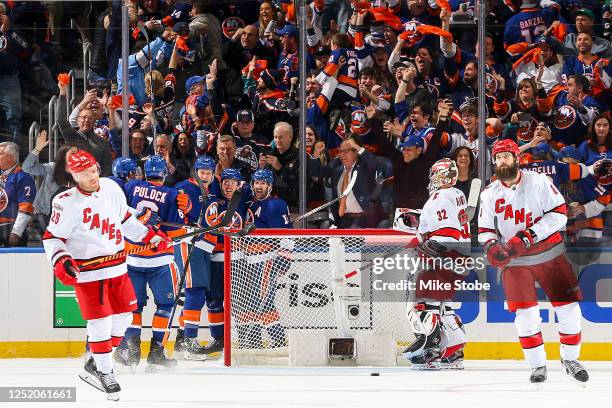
358 209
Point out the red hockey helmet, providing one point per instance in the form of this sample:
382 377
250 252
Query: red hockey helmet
505 145
81 160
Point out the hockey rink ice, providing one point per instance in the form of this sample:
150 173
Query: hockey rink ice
208 384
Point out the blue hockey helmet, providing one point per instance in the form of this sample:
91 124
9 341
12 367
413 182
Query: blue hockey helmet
263 175
156 167
231 174
123 166
205 163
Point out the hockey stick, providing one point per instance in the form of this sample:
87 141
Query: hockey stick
191 245
231 209
472 202
345 193
227 220
246 230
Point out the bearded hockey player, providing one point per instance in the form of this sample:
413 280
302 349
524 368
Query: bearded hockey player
88 223
231 181
521 216
443 233
266 211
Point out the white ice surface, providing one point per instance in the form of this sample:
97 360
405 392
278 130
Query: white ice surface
490 384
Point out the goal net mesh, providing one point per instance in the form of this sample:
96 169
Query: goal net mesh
284 283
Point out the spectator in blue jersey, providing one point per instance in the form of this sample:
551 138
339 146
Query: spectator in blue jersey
17 192
598 143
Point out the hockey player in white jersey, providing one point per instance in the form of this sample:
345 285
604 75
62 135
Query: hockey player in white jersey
88 223
521 216
443 233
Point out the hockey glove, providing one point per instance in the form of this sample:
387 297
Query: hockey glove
432 248
520 243
163 242
496 254
183 202
148 217
66 270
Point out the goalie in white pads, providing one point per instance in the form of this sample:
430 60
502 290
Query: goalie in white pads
442 228
521 216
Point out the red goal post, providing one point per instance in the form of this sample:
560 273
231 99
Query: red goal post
266 273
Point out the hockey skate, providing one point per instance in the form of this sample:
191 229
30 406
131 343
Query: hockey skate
425 346
179 345
102 382
452 362
215 345
128 353
538 376
194 350
576 372
157 359
420 363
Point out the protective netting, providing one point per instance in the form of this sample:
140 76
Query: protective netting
284 283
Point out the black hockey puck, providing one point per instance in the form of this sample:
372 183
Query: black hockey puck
375 374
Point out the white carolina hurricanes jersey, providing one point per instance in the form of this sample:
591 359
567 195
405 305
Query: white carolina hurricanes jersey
90 226
533 203
444 217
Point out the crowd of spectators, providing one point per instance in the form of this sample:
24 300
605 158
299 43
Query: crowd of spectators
391 87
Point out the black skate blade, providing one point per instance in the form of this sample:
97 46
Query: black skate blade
577 382
430 366
91 380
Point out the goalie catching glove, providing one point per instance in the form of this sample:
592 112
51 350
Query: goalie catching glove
66 270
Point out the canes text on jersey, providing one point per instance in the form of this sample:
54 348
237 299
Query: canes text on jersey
106 227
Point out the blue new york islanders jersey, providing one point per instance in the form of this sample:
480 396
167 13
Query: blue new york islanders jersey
272 212
347 74
17 192
191 188
522 28
161 200
216 210
568 128
559 172
589 156
594 196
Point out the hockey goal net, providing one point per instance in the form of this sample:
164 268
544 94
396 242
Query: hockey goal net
280 285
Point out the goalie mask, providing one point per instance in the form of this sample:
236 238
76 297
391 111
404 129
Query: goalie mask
406 220
443 174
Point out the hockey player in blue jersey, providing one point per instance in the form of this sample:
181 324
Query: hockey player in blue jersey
124 170
255 306
231 181
266 211
154 268
197 280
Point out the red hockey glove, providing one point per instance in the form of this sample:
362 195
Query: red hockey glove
66 270
163 242
520 243
183 202
496 254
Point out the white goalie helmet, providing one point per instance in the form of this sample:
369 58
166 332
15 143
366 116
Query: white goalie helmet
406 220
443 173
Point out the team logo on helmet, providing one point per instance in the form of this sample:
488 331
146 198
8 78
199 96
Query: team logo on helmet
3 199
230 25
565 117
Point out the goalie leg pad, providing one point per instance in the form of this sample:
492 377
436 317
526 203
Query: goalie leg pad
424 318
453 336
